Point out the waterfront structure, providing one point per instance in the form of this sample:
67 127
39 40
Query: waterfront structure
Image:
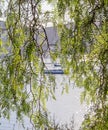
51 32
53 44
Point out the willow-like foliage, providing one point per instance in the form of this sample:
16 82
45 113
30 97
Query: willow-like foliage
24 87
83 30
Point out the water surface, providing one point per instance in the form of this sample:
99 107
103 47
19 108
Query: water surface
63 108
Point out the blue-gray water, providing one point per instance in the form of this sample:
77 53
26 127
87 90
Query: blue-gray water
63 108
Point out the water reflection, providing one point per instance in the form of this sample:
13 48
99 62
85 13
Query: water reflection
63 108
68 104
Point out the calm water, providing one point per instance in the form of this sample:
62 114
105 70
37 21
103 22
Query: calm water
62 109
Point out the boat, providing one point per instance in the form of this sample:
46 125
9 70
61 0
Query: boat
55 69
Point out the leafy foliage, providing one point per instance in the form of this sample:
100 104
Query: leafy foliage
83 32
24 87
84 45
